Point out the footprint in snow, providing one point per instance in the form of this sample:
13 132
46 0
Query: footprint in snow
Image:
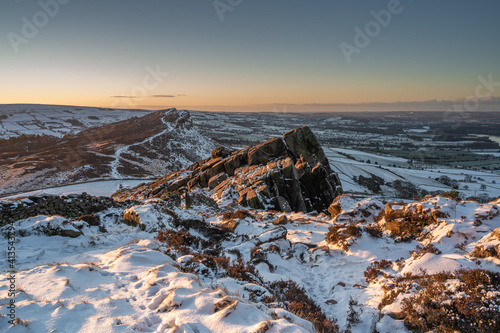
155 303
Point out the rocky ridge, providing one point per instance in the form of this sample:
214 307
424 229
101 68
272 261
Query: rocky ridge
285 174
146 147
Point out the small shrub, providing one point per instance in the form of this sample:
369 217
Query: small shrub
181 241
374 230
353 316
19 321
453 194
420 251
412 224
333 234
294 298
400 262
460 246
353 231
131 218
223 266
374 270
482 251
340 235
224 303
241 271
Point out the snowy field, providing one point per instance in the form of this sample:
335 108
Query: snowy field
347 168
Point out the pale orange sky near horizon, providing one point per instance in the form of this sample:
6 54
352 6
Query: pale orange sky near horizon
261 57
237 95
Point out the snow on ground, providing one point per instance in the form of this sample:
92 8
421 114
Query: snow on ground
432 264
180 146
347 168
133 288
120 279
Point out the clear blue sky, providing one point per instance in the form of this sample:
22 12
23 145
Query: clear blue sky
264 54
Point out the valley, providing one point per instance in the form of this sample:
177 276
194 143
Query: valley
434 151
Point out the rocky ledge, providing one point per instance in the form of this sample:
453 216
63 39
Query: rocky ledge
286 174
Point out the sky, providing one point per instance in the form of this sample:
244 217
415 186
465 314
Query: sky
252 55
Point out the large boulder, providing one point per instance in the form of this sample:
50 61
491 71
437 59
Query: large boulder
285 174
303 142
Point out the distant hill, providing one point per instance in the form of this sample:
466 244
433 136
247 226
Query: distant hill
56 120
149 146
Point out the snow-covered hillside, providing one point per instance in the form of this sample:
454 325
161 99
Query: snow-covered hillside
56 120
146 147
117 277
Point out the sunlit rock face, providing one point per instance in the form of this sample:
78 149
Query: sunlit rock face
290 173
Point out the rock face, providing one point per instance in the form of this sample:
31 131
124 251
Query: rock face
285 174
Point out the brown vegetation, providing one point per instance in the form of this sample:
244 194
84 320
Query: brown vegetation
239 214
464 301
342 235
420 251
288 294
374 270
294 299
181 241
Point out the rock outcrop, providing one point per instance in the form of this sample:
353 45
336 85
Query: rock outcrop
286 174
